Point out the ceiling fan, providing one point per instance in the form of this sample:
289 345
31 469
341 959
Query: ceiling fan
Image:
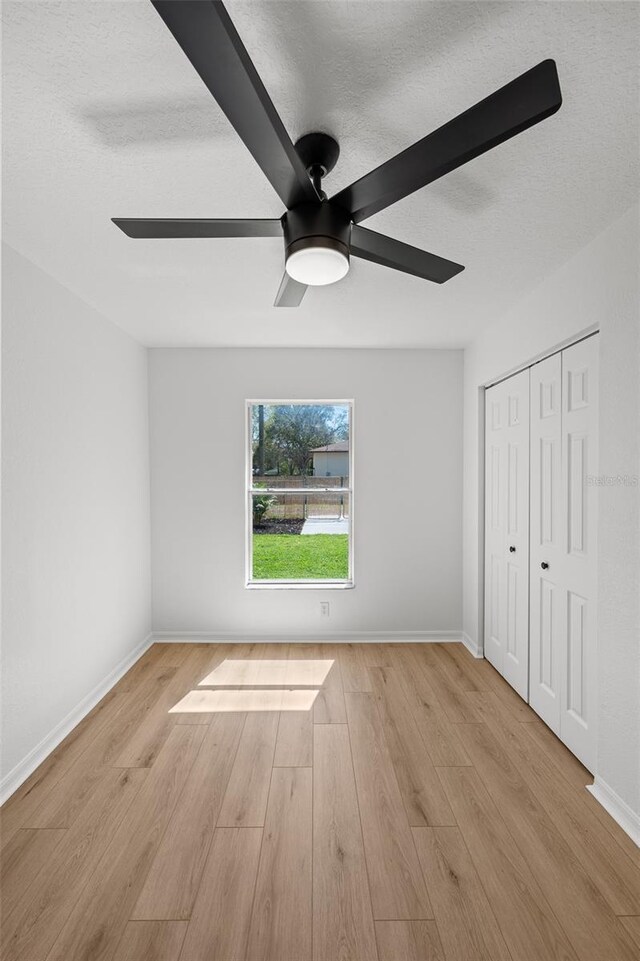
320 235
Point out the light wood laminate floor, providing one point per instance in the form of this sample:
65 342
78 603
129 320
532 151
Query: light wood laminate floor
280 802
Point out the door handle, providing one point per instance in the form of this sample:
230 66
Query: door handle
544 565
512 549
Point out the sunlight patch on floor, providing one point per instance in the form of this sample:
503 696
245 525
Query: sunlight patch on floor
282 673
223 701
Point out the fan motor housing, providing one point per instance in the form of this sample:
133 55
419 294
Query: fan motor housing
317 225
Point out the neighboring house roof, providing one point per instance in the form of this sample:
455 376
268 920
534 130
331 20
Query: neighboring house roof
341 447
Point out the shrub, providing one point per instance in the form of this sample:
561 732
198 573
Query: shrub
261 504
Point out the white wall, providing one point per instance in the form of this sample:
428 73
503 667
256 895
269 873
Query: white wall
407 554
75 475
598 287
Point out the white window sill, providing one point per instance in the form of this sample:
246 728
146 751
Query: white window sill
299 585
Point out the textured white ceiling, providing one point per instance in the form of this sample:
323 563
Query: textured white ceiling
104 117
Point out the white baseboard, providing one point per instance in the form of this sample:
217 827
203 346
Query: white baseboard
619 810
471 645
14 778
319 637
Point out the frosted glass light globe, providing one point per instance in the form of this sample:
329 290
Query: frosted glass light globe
317 266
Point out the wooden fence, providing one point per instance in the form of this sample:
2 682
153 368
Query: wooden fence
287 481
301 506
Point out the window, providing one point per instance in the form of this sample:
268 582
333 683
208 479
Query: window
299 493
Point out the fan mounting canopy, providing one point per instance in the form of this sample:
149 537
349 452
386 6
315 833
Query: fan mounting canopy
318 150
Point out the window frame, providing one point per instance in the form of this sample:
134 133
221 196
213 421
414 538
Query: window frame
250 582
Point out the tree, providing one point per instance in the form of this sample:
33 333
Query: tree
292 431
260 453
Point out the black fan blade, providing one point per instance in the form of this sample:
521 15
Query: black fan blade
143 229
379 249
205 32
520 104
290 292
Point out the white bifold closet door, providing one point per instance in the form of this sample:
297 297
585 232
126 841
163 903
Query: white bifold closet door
547 541
563 585
506 642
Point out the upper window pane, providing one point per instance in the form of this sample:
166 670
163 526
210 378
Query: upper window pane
300 440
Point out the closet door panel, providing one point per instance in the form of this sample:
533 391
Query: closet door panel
580 463
495 447
516 576
506 528
547 599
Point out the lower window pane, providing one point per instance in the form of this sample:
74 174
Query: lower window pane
300 536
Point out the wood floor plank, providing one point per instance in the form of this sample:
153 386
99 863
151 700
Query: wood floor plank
342 917
614 874
409 941
143 746
219 926
19 809
467 927
217 653
143 669
23 858
620 837
245 800
438 733
328 707
68 797
486 678
424 799
355 677
294 743
452 697
151 941
173 652
30 930
395 879
171 886
527 921
151 666
586 917
96 924
247 665
632 926
560 756
511 700
377 655
578 776
278 652
308 665
460 670
262 700
281 919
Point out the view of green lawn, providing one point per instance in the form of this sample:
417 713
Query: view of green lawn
308 556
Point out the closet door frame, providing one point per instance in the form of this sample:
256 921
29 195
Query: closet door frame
588 757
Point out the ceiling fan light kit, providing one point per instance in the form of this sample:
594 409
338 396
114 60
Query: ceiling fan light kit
317 261
316 240
321 235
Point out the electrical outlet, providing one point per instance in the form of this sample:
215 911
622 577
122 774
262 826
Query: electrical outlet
324 608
